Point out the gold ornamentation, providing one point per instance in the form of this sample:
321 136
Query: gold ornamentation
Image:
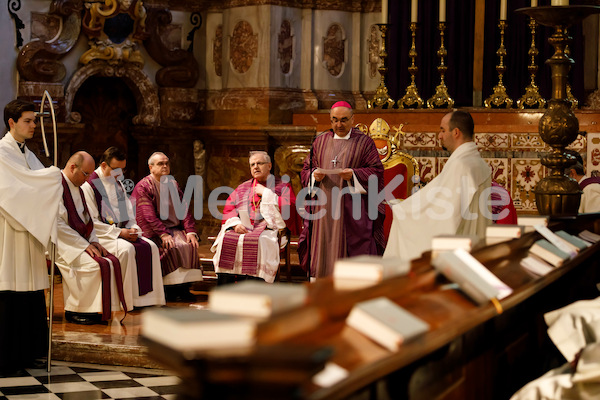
500 99
411 98
441 97
382 98
532 97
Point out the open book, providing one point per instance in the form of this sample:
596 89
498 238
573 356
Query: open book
471 276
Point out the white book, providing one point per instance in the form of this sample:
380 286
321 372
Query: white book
504 231
556 240
442 243
188 329
536 265
245 218
530 221
369 268
385 322
471 276
256 299
575 242
548 252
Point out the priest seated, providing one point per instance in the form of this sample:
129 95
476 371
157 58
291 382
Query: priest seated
249 244
115 225
94 280
176 238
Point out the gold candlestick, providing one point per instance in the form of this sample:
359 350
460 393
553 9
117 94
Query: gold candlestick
441 96
411 98
500 99
570 97
532 97
557 194
382 97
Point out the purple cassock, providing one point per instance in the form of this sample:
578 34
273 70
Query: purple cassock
339 233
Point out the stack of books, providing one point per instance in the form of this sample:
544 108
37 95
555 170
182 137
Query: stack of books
552 251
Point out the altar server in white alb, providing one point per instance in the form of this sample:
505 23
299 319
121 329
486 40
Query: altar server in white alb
94 280
29 196
114 224
455 202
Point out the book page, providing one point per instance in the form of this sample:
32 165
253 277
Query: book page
245 218
330 171
503 289
555 240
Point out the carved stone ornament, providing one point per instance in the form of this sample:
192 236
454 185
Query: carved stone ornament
243 47
285 47
38 60
334 50
115 29
180 68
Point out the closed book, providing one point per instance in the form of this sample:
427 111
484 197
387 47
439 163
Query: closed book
529 221
192 329
505 231
369 268
589 236
451 242
385 322
548 252
471 276
256 299
536 266
557 241
576 243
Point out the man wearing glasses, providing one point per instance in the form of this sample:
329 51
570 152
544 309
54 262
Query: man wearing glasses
248 244
176 238
115 225
29 197
341 162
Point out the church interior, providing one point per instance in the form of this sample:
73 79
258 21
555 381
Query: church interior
207 81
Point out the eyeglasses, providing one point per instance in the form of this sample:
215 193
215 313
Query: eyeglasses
259 163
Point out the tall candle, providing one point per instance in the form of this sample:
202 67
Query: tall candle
384 11
559 3
503 10
414 11
442 10
533 3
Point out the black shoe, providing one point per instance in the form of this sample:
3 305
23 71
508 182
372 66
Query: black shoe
83 318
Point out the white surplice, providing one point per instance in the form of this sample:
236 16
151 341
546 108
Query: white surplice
590 198
29 202
268 243
455 202
108 235
82 283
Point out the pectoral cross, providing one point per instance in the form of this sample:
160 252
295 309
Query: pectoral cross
334 161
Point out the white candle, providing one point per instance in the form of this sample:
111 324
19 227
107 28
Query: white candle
384 11
442 10
533 3
414 10
559 2
503 10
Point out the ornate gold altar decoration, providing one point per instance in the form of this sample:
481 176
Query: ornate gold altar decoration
289 161
557 194
500 99
532 97
115 29
441 98
570 97
411 98
382 98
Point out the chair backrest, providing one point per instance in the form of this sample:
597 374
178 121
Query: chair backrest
395 162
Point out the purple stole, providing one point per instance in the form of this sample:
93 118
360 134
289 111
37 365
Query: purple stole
143 251
589 181
85 230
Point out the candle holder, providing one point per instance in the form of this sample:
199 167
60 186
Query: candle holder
557 194
570 97
382 97
441 97
532 97
500 99
411 98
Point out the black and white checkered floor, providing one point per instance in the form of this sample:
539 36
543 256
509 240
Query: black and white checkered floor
76 382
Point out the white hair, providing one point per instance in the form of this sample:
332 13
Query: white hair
262 153
156 153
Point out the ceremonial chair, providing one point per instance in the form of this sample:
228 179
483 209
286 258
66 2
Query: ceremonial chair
395 162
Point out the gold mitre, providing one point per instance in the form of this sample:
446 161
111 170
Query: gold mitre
379 129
